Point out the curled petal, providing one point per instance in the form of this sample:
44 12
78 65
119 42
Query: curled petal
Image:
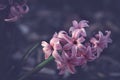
26 9
16 11
99 35
55 35
14 15
83 24
83 32
13 19
44 43
108 33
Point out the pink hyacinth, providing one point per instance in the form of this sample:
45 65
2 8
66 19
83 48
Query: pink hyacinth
52 47
70 49
68 62
101 42
79 27
17 10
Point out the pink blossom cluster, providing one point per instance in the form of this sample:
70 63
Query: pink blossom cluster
71 49
17 9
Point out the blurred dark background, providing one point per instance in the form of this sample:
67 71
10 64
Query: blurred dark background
48 16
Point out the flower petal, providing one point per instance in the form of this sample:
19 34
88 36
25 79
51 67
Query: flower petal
44 43
71 68
67 46
75 23
64 35
83 24
47 52
56 55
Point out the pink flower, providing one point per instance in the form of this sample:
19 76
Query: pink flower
52 47
89 54
101 42
74 41
68 62
79 26
71 50
17 11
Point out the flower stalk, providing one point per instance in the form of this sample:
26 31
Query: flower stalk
28 53
37 68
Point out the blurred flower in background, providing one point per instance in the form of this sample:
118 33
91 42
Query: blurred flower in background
16 9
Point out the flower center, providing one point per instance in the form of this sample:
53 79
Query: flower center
74 42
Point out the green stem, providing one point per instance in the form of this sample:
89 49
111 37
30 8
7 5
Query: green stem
28 53
37 68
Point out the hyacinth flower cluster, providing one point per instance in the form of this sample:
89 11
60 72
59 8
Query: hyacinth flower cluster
71 49
16 9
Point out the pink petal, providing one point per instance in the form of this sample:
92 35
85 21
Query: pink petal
62 71
54 41
65 56
56 55
80 40
44 43
47 52
83 60
76 61
74 51
67 46
57 46
94 41
22 10
99 50
64 35
75 23
83 32
55 35
71 29
99 35
13 19
76 33
71 68
46 49
14 11
108 33
83 23
89 54
59 63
